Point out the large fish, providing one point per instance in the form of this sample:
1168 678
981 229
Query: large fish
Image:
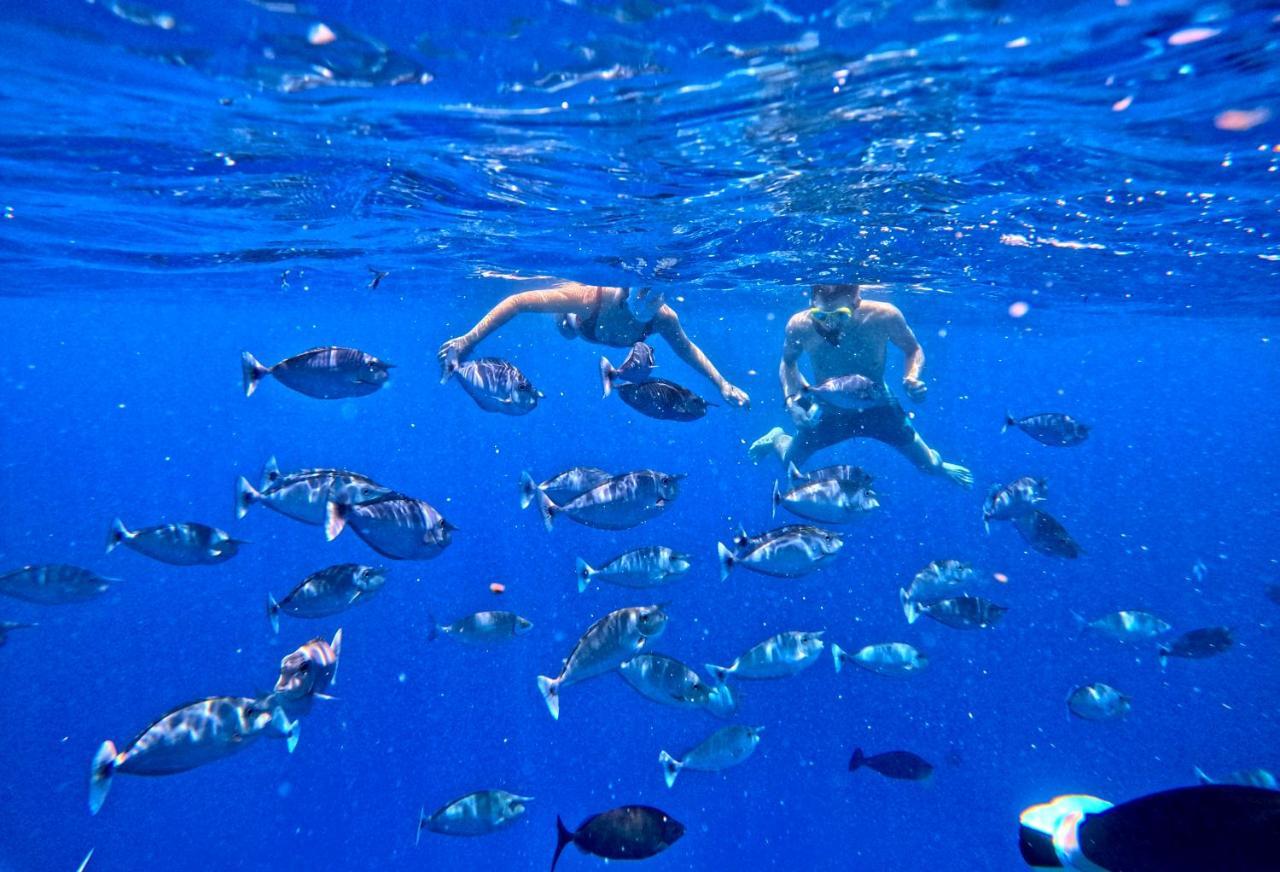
651 566
1198 644
850 392
396 526
1126 626
307 673
1045 534
638 367
186 544
476 814
1007 502
330 373
563 487
827 501
965 612
667 681
631 832
940 579
328 592
606 645
1098 702
787 552
855 475
902 765
482 628
305 494
1049 428
778 656
664 400
727 746
496 385
190 736
53 584
620 503
890 658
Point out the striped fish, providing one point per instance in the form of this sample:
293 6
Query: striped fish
329 373
495 384
395 526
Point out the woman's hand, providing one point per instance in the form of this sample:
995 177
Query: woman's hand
450 353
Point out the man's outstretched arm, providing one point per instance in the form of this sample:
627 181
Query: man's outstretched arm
668 326
912 355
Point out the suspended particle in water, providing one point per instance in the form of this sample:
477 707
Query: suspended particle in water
1018 309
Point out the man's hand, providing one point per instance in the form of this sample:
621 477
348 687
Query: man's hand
805 414
915 389
735 396
450 353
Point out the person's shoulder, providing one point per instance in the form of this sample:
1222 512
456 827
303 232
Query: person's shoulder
882 312
800 322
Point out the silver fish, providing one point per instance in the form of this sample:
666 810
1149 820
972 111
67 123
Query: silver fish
1050 428
778 656
940 579
563 487
1097 702
1126 626
651 566
667 681
53 584
852 392
476 814
726 747
482 628
638 367
787 552
965 612
856 475
304 495
190 736
397 526
308 672
328 592
8 626
620 503
827 501
606 645
1245 777
328 373
664 400
890 658
1006 502
496 385
186 544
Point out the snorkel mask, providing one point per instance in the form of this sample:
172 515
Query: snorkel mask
831 317
644 303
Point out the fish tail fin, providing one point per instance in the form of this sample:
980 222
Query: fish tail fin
246 494
1080 622
335 519
726 560
336 644
670 768
837 657
777 498
286 729
548 510
584 574
450 363
909 608
252 371
719 673
856 761
1164 658
720 701
607 373
273 613
433 632
563 838
104 766
793 472
550 690
1009 421
119 533
422 822
528 489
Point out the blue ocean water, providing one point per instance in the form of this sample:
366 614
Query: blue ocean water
184 182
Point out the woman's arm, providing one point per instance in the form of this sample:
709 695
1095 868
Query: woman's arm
562 299
668 326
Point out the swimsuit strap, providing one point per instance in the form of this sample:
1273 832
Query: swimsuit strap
587 326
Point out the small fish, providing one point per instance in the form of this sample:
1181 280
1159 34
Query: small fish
1273 593
667 681
476 814
1049 428
620 503
1126 626
606 645
940 579
855 475
328 592
304 495
652 566
1045 534
778 656
791 551
563 487
727 746
1198 644
482 628
631 832
395 526
53 584
1006 502
827 501
638 367
308 672
7 626
190 736
496 385
377 277
1199 571
851 392
1097 702
965 612
186 544
902 765
890 658
1244 777
330 373
664 400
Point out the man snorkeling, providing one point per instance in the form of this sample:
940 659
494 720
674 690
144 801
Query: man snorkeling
618 317
845 335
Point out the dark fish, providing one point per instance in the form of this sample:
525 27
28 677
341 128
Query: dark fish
1008 502
328 592
7 626
852 392
622 502
1050 428
476 814
790 551
638 367
378 276
53 584
631 832
304 495
664 400
186 544
964 612
855 475
1042 532
827 501
564 487
482 628
727 746
396 526
667 681
606 645
651 566
495 384
893 764
307 673
190 736
1273 593
330 373
1198 644
1218 827
1098 702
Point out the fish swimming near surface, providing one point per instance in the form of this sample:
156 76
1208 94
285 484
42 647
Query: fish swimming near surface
6 627
563 487
791 551
1049 428
482 628
940 579
1247 777
638 367
902 765
1219 827
476 814
855 475
330 373
1125 626
620 503
890 658
304 495
606 645
1198 644
1008 502
308 673
1043 532
1098 702
964 612
190 736
778 656
53 584
631 832
667 681
496 385
328 592
727 746
827 501
850 392
185 544
664 400
395 526
651 566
